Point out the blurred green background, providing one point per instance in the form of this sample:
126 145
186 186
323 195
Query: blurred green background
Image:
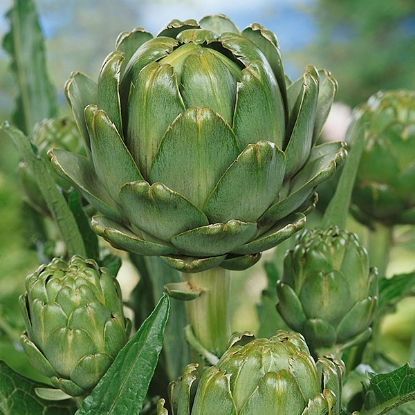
368 45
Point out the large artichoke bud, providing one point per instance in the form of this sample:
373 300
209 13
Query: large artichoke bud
385 184
199 149
266 376
47 134
328 291
75 323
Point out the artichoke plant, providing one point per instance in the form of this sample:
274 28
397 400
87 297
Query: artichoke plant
199 148
385 184
328 292
266 376
75 325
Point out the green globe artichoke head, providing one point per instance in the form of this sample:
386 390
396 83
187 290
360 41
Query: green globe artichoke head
199 149
266 376
384 190
75 323
328 291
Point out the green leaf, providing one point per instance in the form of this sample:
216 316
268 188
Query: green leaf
215 239
123 388
112 160
159 211
55 201
207 82
81 91
175 355
279 392
266 41
108 88
218 24
259 109
323 162
282 230
338 208
194 154
176 26
129 42
25 44
392 290
18 396
301 139
214 395
153 105
80 172
152 50
249 186
326 94
122 238
389 390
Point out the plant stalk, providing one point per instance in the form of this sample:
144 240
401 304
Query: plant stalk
379 244
209 313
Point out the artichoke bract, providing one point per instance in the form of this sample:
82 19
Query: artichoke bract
328 291
199 148
265 376
75 324
384 190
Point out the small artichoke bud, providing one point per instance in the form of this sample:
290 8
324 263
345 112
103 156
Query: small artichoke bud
75 323
328 291
265 376
384 190
47 134
57 132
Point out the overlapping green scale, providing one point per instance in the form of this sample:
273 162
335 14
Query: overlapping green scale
81 91
267 42
385 181
328 291
194 129
142 202
188 160
73 333
259 110
108 89
106 144
264 376
215 239
207 82
261 168
154 103
125 239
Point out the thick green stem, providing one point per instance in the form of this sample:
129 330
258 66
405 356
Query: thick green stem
379 244
209 314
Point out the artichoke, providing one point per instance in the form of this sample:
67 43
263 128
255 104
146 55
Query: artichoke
75 325
328 291
384 190
199 149
265 376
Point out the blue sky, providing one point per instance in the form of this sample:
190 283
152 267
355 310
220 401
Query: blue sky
287 18
290 20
